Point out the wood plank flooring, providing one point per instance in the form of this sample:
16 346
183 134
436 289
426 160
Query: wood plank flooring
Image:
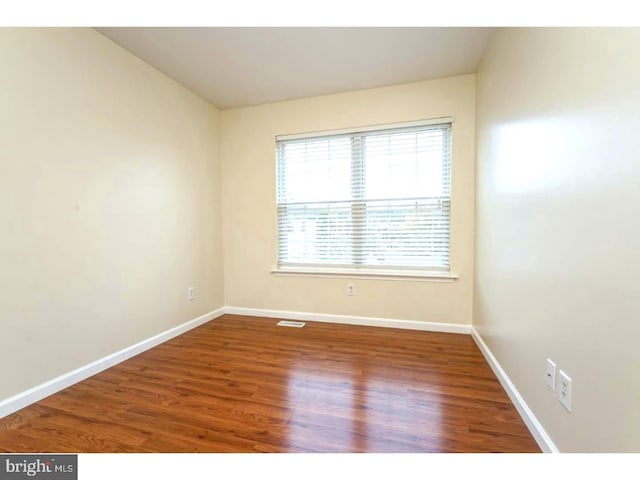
242 384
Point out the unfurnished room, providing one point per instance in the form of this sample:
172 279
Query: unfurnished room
319 240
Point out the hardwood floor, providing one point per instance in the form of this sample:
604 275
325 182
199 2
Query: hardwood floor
242 384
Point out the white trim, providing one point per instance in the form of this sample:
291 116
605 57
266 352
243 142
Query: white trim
351 320
37 393
367 128
535 427
363 274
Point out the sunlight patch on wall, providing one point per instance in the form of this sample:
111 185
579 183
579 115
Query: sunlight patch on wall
530 156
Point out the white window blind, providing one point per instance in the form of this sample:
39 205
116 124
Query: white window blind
376 198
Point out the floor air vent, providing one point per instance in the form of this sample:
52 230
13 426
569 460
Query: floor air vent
287 323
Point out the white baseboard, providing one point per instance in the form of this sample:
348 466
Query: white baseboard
535 427
351 320
37 393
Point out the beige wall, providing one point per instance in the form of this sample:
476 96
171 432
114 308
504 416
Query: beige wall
109 203
249 213
558 203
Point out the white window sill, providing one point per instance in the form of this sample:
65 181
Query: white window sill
407 275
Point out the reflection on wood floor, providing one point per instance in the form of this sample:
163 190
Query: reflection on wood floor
243 384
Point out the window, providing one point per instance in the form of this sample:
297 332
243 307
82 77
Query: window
366 199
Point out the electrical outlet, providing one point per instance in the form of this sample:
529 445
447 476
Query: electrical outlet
551 375
191 293
564 387
351 289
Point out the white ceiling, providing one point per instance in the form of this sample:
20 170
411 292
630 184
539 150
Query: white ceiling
234 67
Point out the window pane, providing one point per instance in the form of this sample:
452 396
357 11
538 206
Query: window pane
315 170
316 234
405 164
405 233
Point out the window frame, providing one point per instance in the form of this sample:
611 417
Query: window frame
362 270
